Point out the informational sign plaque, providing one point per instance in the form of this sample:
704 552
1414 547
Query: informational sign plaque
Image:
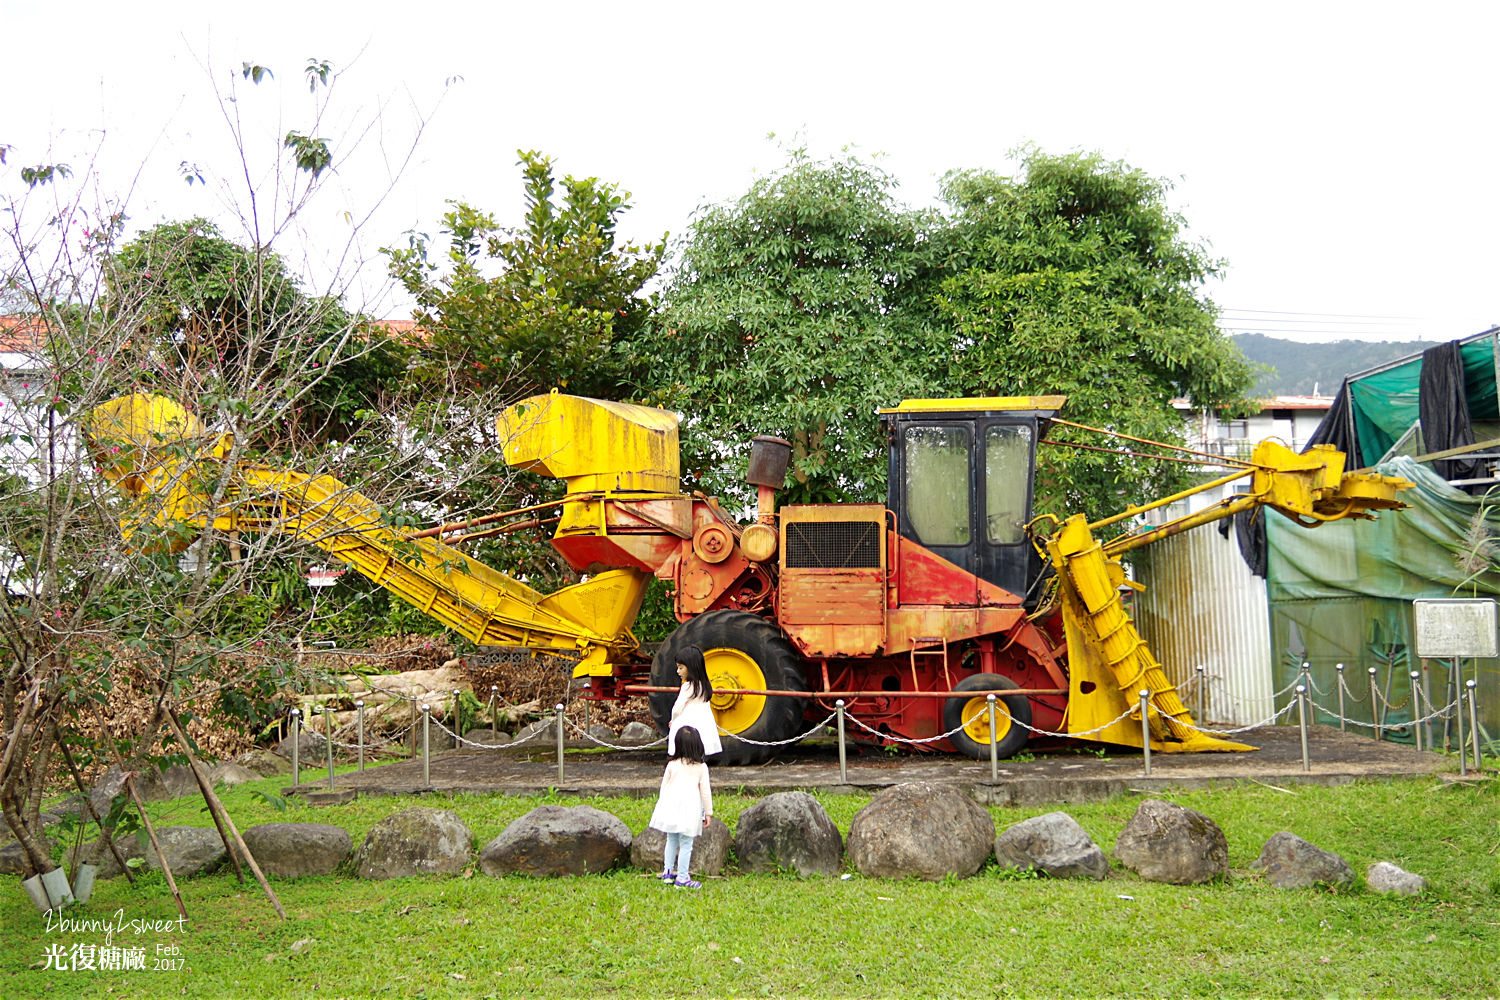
1456 627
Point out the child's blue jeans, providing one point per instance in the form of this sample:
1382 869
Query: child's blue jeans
679 846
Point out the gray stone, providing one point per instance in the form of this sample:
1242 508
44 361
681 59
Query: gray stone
602 733
230 775
103 858
415 841
1292 863
110 784
154 784
538 732
266 763
788 831
487 737
1383 876
558 840
294 850
1164 842
13 857
189 850
710 849
308 747
637 732
1053 844
921 829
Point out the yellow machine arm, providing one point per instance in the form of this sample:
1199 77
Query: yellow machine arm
1108 661
148 445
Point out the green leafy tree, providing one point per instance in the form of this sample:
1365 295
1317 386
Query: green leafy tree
797 310
546 305
219 314
1077 278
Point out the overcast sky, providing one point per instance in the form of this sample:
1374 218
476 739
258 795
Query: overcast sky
1339 156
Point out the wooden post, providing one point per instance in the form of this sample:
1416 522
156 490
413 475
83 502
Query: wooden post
217 808
105 834
140 807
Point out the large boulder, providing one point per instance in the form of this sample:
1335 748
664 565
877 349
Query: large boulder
1053 844
487 737
788 831
637 732
103 859
1292 863
1165 842
154 784
710 849
1383 876
13 860
293 850
189 850
920 829
266 763
558 840
415 841
230 775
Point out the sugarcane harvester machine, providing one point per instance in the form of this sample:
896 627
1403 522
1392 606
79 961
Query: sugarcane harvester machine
911 612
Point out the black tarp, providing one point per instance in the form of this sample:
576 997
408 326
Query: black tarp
1443 405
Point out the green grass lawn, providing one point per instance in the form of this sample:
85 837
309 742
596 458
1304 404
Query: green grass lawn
624 934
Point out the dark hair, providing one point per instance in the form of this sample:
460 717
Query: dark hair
688 745
692 658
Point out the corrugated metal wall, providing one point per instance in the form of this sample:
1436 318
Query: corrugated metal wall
1202 605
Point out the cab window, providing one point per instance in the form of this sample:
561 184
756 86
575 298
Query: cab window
1007 476
937 484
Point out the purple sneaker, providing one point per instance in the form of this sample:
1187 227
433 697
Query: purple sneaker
667 876
687 883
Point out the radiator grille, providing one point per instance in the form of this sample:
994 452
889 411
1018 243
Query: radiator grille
833 545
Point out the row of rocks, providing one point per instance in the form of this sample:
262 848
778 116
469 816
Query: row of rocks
918 829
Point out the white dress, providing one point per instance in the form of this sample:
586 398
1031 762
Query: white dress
690 711
685 798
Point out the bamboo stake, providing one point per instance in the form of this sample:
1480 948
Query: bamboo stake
105 834
217 807
140 807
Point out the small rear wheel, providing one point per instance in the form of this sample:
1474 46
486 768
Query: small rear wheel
741 651
1012 716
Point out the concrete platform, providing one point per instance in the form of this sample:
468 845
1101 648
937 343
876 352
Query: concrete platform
1061 776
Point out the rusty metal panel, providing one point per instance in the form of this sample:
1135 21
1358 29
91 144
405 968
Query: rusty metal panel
1202 605
832 597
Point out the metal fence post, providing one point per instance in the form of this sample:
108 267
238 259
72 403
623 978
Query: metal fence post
559 744
1302 723
1473 687
1375 713
1146 728
426 746
1416 709
1202 697
458 718
296 747
494 722
843 759
994 743
1340 668
359 708
328 738
1463 756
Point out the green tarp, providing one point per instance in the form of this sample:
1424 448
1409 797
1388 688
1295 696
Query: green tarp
1385 403
1342 593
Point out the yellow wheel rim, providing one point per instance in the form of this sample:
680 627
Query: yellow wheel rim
977 711
729 669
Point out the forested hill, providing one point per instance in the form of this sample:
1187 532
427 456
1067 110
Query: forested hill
1298 368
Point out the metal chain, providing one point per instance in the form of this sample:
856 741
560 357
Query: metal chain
1242 729
613 746
1348 691
1437 714
779 743
461 741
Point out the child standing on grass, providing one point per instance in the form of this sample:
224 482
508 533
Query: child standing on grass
685 806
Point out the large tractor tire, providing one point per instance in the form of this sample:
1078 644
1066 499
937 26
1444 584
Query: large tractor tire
741 650
1012 716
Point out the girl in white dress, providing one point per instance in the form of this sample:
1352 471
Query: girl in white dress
683 809
692 707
